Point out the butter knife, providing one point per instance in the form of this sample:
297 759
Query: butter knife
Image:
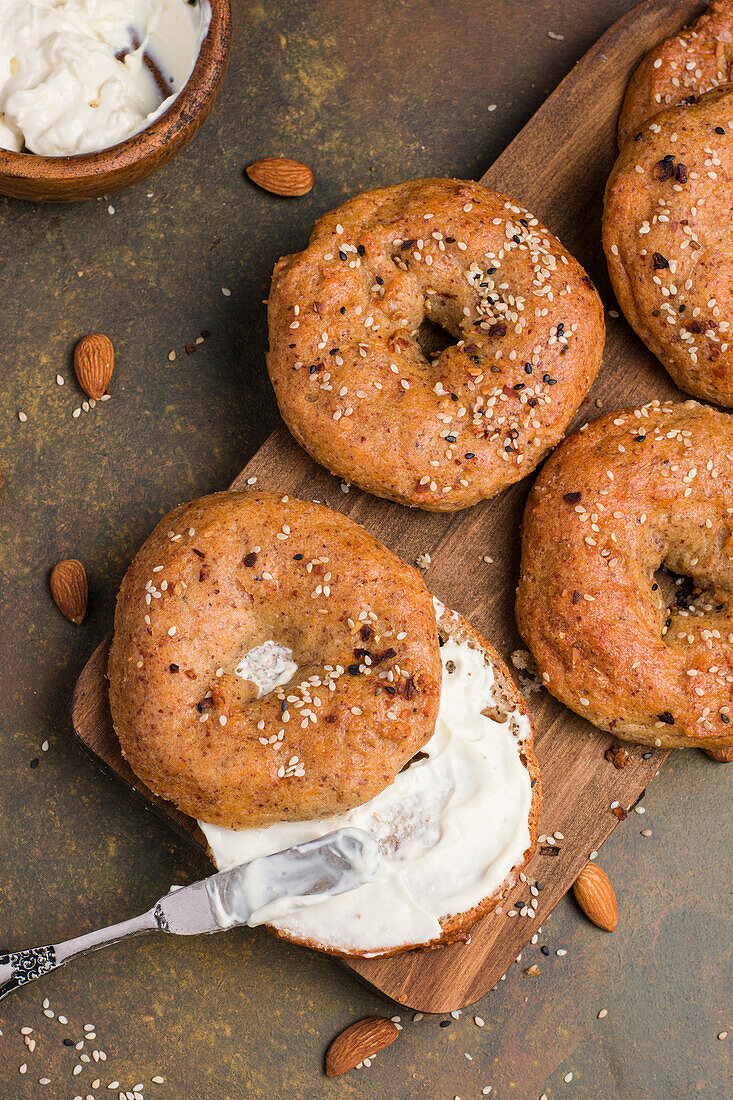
245 895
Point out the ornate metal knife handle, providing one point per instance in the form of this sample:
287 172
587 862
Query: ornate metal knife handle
20 967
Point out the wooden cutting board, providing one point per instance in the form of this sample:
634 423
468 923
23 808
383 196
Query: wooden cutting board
557 166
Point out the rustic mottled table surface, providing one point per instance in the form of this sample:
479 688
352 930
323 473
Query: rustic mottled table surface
367 94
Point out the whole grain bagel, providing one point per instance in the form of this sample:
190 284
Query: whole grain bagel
638 490
439 430
694 60
668 241
227 595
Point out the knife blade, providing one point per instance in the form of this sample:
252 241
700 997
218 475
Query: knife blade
248 894
251 894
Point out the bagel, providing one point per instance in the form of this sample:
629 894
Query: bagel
456 827
440 431
413 728
638 490
667 238
227 598
694 60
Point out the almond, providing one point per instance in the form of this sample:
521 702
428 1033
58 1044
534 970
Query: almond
94 360
69 589
361 1040
594 894
281 176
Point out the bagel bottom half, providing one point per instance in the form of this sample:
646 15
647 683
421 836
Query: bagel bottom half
456 826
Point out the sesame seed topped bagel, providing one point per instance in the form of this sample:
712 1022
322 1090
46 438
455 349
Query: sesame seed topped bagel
638 490
440 430
683 66
667 238
271 660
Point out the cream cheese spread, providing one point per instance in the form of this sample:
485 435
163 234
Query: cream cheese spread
451 826
81 75
267 666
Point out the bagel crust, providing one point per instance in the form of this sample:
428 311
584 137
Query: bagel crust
695 60
667 238
220 577
439 430
637 490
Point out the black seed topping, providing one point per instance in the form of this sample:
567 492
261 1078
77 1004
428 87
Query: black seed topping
666 717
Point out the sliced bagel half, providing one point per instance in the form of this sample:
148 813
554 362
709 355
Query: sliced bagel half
457 825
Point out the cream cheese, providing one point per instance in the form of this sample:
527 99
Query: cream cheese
267 666
451 826
74 74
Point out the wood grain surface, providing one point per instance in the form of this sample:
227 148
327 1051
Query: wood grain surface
557 166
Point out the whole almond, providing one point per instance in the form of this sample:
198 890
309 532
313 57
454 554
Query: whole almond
69 589
94 360
595 896
281 176
359 1041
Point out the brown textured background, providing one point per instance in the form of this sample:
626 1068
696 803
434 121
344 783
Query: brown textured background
367 94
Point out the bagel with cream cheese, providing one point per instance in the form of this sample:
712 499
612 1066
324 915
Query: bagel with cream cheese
348 697
364 394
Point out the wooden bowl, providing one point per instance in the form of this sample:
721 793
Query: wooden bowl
89 175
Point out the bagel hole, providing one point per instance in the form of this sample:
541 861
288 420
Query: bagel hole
433 339
678 591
